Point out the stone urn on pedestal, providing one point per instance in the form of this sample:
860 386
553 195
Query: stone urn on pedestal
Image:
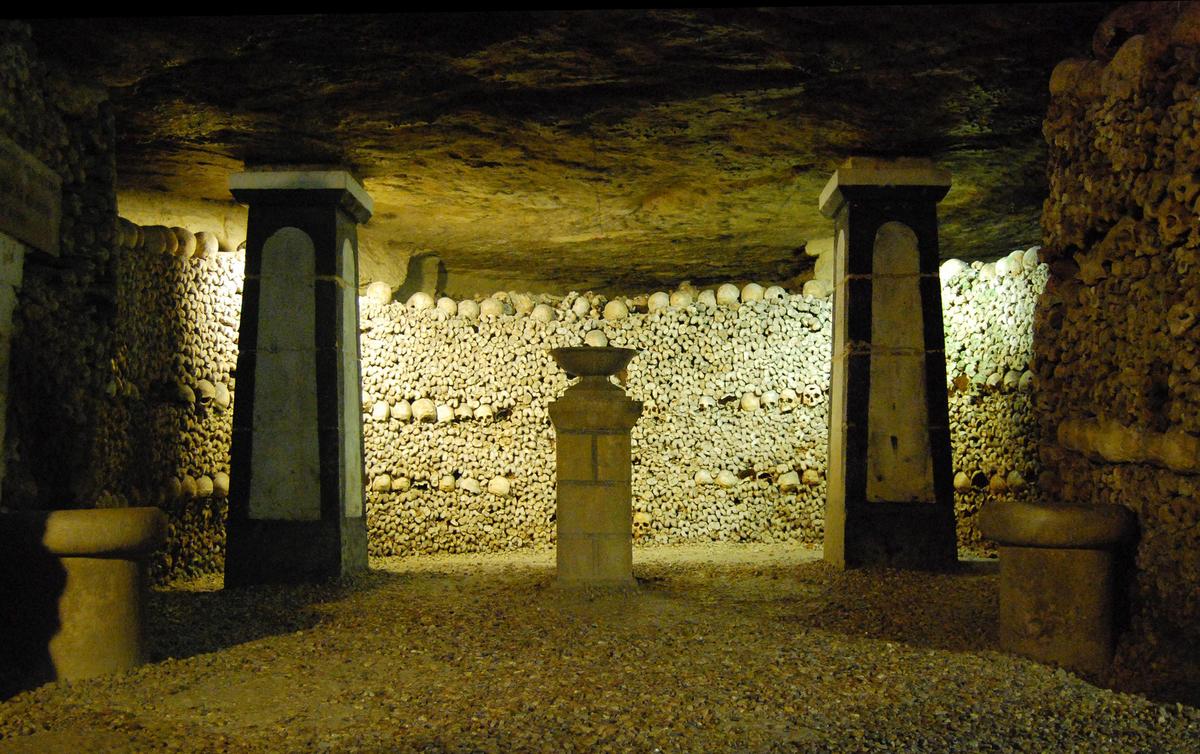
592 421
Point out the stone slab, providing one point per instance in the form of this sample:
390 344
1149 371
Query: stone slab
594 508
1057 606
351 414
614 460
30 198
575 456
267 183
869 172
285 473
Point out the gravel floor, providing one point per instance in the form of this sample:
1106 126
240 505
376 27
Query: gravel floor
722 648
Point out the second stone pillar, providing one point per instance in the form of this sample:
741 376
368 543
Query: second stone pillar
594 516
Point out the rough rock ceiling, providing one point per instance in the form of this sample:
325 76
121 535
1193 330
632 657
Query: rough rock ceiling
604 149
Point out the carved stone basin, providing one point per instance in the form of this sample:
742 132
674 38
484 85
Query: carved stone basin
587 361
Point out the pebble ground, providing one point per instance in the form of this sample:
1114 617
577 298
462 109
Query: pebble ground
721 648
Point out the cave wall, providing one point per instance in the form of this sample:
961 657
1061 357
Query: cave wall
1117 353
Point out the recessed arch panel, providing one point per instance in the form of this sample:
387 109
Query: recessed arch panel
352 455
899 460
285 475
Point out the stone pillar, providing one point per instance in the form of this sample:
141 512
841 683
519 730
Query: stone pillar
296 487
592 421
890 483
30 213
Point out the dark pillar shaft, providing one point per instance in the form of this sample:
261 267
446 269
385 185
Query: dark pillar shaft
296 487
890 487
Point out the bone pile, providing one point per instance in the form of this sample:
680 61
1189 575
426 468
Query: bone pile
459 449
173 378
1118 359
461 454
986 312
732 442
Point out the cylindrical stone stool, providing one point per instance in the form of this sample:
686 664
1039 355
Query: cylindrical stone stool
595 498
74 583
1058 580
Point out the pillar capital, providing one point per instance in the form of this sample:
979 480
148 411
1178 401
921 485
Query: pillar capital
588 406
860 176
288 187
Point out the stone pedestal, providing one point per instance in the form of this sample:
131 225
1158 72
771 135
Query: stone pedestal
73 587
890 483
1059 585
592 421
296 482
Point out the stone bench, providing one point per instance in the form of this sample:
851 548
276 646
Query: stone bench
1059 580
72 587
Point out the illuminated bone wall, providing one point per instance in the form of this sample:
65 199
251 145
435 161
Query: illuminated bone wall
459 447
732 441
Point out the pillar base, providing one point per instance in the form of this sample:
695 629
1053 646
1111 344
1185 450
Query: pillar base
915 536
288 552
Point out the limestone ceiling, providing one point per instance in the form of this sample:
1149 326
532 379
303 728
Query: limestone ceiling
597 149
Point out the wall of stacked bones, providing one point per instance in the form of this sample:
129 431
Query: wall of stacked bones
61 336
1118 358
458 443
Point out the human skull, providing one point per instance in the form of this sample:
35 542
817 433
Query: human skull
615 310
491 307
595 339
658 301
728 294
468 309
222 397
681 298
641 524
